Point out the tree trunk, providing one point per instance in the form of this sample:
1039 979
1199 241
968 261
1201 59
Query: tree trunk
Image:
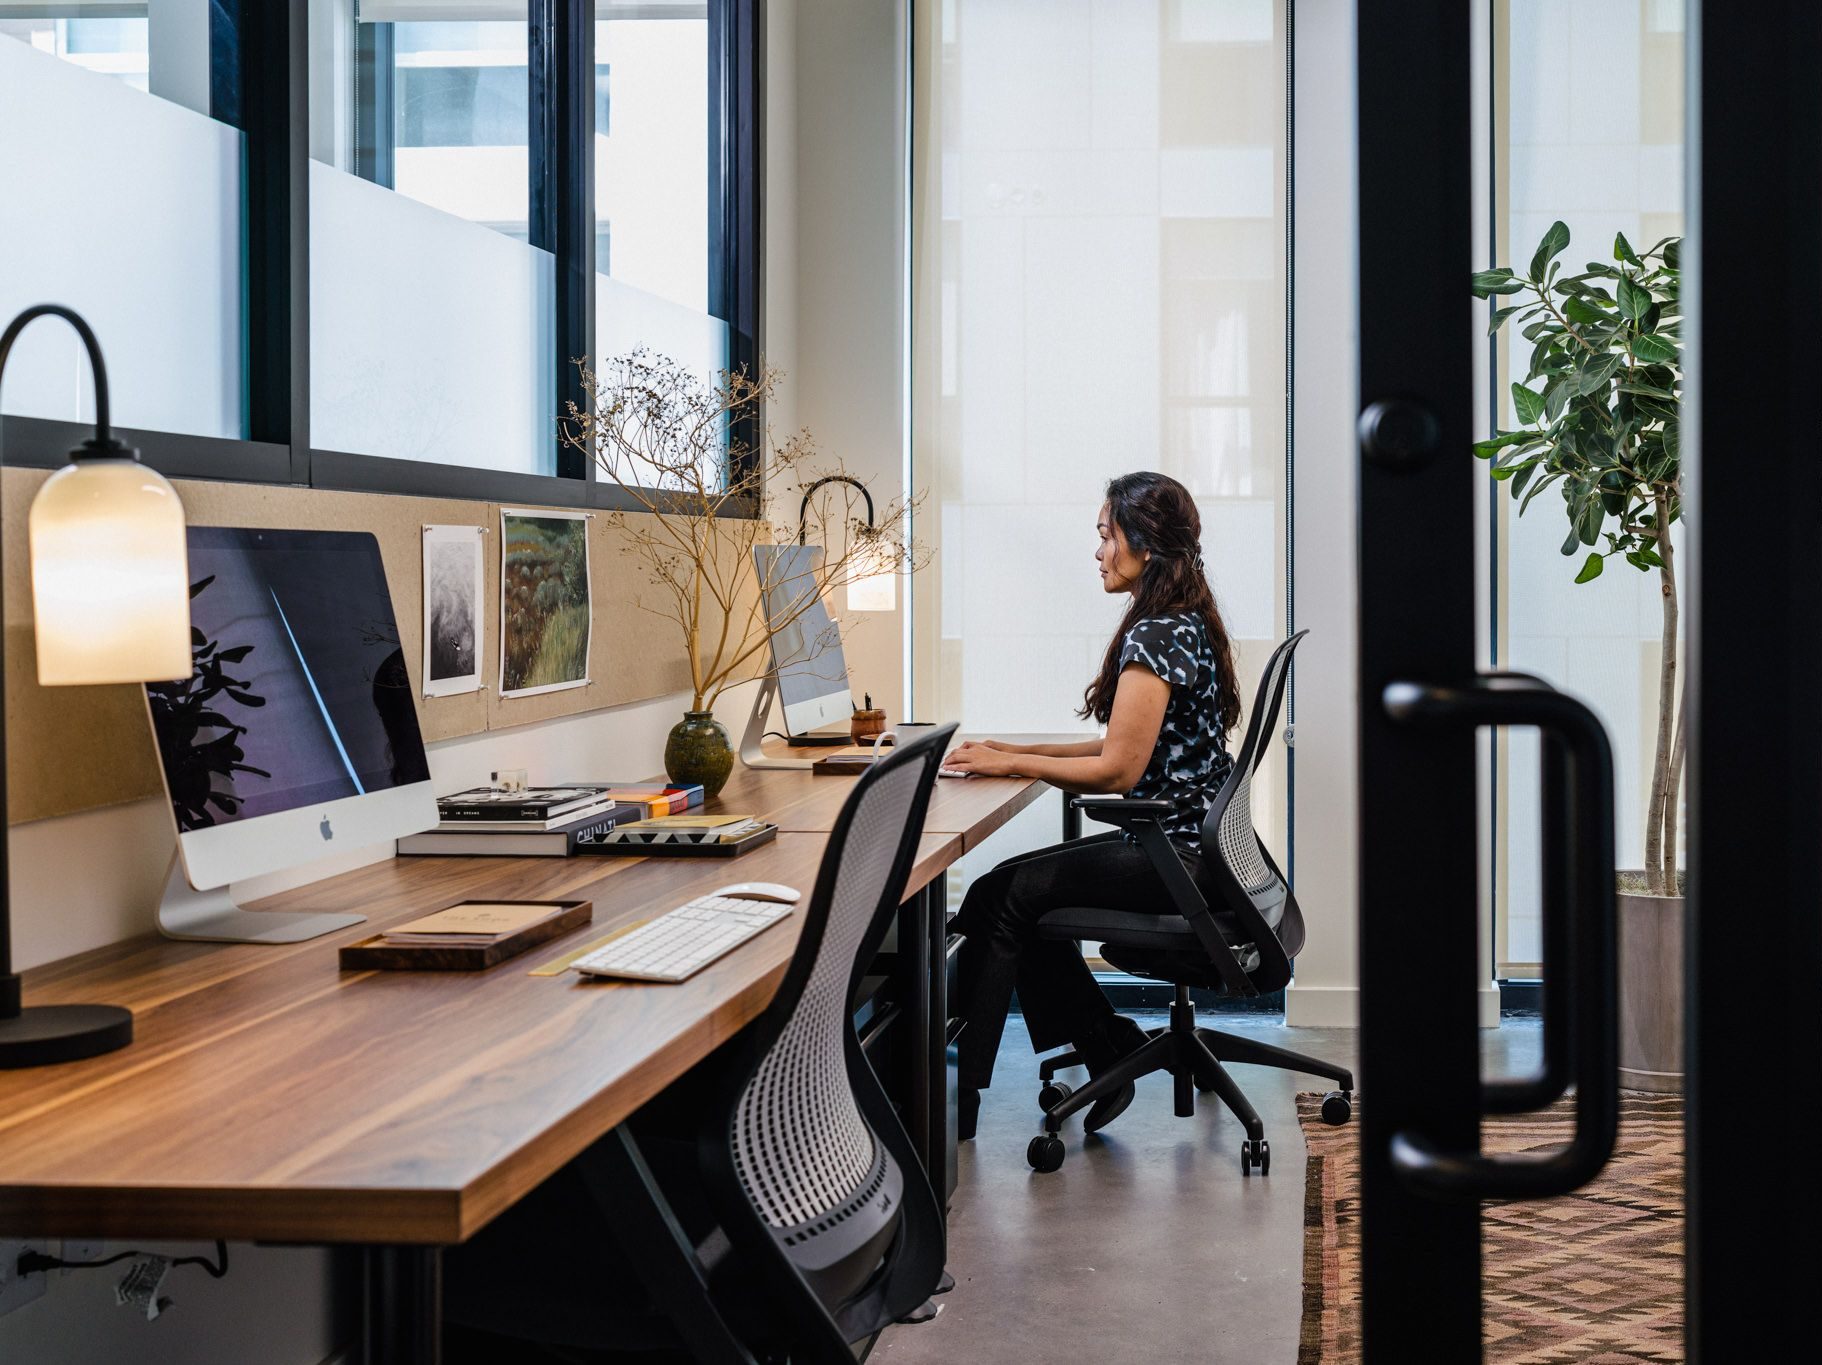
1673 787
1662 807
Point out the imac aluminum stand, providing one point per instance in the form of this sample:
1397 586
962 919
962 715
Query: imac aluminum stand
752 752
213 917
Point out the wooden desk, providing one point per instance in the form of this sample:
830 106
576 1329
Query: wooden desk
269 1095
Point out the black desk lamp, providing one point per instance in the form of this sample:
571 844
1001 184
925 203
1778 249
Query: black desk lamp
867 591
111 603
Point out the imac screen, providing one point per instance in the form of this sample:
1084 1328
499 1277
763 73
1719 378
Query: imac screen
299 693
807 652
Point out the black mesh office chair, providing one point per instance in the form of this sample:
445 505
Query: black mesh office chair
1236 933
771 1205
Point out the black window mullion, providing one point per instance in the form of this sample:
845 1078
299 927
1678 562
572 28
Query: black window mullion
568 155
734 188
275 111
375 104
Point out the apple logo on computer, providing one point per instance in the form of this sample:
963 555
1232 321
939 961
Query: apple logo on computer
324 830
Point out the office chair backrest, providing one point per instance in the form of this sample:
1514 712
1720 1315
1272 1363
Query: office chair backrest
1240 867
816 1147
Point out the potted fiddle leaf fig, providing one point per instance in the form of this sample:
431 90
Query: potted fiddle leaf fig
1598 423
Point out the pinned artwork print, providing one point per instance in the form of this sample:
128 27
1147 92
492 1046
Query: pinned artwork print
544 605
452 609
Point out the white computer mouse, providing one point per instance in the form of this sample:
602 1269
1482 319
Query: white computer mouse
762 891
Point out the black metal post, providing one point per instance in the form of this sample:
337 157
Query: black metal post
1754 908
404 1305
736 145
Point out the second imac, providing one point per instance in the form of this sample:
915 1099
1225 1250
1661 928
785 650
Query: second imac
809 675
295 735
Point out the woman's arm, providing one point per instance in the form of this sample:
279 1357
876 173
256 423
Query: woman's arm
1132 734
1083 748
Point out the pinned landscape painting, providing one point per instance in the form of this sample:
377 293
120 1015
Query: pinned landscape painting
544 606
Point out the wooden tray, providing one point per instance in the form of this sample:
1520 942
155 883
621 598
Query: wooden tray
763 835
371 953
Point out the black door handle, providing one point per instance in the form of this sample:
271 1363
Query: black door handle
1578 824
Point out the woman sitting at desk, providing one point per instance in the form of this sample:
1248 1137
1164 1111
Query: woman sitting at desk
1168 696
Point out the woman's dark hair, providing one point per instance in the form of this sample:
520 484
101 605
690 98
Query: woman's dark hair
1154 512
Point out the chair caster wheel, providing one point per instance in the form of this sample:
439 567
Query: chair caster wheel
1256 1155
1053 1094
1045 1153
1337 1107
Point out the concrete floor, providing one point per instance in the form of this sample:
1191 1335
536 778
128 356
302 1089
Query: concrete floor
1149 1244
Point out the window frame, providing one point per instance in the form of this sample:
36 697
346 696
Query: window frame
269 47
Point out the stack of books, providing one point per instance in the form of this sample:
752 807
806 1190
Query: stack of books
538 822
685 829
655 797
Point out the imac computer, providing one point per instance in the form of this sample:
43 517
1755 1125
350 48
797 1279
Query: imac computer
809 676
295 735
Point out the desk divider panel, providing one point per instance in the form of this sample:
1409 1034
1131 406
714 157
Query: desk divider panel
72 749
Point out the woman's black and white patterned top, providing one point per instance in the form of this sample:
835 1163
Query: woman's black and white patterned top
1190 760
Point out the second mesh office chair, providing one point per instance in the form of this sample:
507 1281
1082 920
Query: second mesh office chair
771 1205
1240 944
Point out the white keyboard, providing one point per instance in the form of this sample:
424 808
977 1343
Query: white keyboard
683 941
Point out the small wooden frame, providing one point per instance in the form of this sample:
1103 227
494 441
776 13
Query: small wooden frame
375 952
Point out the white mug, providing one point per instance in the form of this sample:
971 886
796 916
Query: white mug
905 732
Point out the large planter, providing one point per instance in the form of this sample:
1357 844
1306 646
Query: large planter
698 753
1651 992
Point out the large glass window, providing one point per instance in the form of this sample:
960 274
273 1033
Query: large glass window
1587 120
652 185
432 323
122 199
1103 248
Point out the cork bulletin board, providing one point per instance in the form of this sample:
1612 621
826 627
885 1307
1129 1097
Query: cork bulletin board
71 749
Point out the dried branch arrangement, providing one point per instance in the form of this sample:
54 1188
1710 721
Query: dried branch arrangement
699 464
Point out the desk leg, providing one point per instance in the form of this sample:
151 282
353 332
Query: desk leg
915 971
942 1114
404 1317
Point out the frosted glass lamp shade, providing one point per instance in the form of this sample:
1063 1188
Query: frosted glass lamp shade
876 591
110 576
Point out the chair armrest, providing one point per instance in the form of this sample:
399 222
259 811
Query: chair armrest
1124 811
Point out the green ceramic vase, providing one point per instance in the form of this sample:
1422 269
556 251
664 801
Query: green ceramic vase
698 752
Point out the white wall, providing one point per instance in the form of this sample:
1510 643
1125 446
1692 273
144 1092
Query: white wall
1326 392
844 227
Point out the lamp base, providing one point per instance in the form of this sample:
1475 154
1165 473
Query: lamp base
41 1035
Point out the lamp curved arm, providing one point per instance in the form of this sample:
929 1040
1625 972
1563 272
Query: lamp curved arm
804 506
103 442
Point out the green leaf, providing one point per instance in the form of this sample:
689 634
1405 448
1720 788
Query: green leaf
1591 568
1634 301
1598 374
1673 439
1500 281
1499 315
1656 350
1528 402
1622 251
1673 253
1580 310
1648 391
1556 397
1522 475
1550 248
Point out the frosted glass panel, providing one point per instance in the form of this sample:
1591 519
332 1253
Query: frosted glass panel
126 208
1595 118
430 336
1101 290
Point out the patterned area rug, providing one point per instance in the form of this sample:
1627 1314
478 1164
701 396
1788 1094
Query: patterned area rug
1594 1277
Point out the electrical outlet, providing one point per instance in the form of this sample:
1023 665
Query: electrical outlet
17 1290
